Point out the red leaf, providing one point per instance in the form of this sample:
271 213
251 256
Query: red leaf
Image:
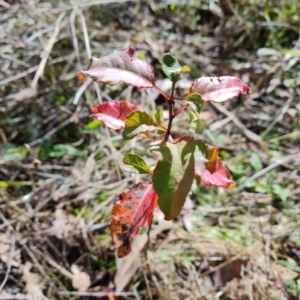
121 66
113 114
219 89
215 174
133 209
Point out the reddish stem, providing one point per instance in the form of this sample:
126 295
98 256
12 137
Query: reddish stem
180 109
163 93
171 115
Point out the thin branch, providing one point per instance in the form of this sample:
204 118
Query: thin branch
171 115
47 50
163 93
96 294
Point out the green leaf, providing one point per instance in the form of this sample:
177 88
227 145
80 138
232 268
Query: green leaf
159 117
93 125
291 266
10 152
296 239
137 163
138 122
174 173
281 192
255 162
7 184
61 150
196 100
195 104
172 7
171 67
196 124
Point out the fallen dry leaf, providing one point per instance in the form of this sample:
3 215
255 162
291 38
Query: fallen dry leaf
6 256
128 265
25 94
81 280
89 168
284 273
222 275
33 283
4 243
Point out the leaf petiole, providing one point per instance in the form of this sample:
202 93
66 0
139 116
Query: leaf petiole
167 97
180 109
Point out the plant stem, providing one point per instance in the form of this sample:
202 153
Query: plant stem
148 240
162 92
171 115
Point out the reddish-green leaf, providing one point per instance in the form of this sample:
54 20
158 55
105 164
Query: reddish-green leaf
219 89
113 114
215 172
121 67
133 209
174 173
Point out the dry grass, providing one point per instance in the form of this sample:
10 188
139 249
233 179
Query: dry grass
59 176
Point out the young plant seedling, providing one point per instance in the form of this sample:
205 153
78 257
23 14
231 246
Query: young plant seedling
181 160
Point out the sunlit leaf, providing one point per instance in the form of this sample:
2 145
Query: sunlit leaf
137 162
185 69
172 7
196 100
139 122
219 89
113 114
174 173
196 124
133 209
159 117
92 125
121 67
171 66
195 104
255 162
7 184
